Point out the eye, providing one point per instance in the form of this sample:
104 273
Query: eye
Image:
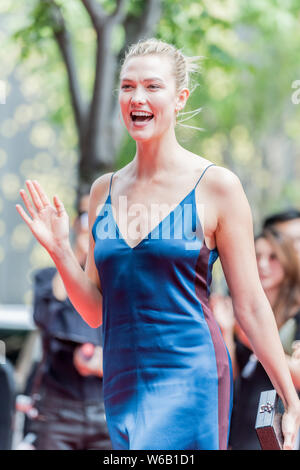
153 87
126 87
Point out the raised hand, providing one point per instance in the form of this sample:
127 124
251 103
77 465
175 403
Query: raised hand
48 223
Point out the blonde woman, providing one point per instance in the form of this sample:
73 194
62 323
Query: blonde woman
156 227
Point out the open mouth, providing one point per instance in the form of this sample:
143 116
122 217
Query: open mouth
141 116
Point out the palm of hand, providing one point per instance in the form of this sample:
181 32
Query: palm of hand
50 228
48 223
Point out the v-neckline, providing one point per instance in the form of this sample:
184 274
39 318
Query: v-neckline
132 248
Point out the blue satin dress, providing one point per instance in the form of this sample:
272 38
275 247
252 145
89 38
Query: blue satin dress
167 379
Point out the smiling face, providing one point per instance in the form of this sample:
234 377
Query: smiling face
148 97
270 270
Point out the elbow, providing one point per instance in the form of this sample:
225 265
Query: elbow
249 309
94 316
96 325
95 322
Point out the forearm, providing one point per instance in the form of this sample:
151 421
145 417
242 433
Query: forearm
260 327
82 292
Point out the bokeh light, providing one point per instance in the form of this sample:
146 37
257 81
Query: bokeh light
21 237
3 157
2 254
42 135
10 184
2 228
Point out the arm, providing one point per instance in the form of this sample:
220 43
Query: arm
222 309
50 226
83 293
82 286
235 243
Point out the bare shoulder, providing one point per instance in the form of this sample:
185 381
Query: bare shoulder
223 182
99 190
231 203
100 185
225 194
217 180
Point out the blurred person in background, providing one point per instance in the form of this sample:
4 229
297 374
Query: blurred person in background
8 391
66 386
280 277
287 222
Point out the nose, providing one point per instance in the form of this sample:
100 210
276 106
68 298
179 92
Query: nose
138 96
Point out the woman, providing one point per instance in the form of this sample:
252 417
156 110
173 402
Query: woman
280 278
165 362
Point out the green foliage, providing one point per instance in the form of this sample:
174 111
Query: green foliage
40 27
250 59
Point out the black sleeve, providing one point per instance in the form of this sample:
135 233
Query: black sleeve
42 295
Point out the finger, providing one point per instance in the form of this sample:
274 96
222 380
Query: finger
296 345
58 206
27 203
296 355
296 350
23 214
34 195
43 196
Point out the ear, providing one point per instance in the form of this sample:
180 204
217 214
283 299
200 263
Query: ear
182 98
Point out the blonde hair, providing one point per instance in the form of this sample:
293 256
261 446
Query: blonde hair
183 66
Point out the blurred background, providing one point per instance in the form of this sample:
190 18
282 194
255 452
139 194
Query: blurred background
59 119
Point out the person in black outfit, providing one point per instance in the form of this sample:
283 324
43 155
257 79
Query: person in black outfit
280 276
8 393
66 385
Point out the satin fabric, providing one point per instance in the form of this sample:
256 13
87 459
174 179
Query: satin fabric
167 378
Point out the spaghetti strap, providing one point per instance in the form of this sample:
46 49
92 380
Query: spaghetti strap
111 182
212 164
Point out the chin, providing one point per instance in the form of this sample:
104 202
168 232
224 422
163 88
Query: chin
266 284
144 138
148 134
140 136
269 284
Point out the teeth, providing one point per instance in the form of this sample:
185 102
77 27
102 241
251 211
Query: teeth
141 113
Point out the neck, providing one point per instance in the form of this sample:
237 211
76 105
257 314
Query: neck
157 156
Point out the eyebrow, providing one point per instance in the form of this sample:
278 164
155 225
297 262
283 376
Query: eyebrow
125 79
